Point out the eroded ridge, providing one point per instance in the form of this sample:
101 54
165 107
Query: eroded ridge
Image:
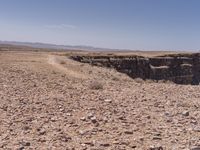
179 68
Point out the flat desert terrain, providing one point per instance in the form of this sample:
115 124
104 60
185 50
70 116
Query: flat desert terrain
48 101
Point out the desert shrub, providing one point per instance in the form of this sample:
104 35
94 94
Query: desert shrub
62 62
115 78
165 81
53 72
149 81
95 85
139 80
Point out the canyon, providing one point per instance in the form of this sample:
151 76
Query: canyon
178 68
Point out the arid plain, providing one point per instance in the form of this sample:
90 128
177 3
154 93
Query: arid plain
48 101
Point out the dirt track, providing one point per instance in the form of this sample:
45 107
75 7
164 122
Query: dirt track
46 102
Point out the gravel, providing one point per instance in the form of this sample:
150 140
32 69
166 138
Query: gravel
50 105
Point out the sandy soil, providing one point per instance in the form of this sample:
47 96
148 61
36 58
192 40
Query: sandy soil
50 102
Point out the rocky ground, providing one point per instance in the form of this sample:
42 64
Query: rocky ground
51 102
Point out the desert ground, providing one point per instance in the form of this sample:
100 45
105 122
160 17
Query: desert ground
48 101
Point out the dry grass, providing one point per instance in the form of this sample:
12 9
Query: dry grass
62 62
115 79
95 85
139 80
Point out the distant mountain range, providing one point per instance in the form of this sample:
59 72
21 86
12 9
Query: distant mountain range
59 47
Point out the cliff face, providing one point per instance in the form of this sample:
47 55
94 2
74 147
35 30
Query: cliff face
181 69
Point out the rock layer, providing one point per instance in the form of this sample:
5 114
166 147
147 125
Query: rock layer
179 68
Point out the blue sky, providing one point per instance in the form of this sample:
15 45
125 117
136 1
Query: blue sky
125 24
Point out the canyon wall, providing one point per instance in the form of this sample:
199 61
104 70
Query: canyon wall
179 68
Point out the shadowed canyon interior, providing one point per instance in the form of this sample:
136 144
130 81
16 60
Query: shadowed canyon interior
179 68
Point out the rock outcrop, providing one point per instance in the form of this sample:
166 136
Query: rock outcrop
179 68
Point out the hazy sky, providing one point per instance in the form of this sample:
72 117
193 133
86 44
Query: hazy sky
129 24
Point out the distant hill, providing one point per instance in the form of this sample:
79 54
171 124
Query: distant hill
59 47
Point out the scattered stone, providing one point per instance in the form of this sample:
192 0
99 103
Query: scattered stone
83 119
84 145
169 120
68 114
53 119
25 143
41 131
196 129
105 119
26 128
148 117
115 142
133 146
156 148
124 143
194 122
185 113
122 117
141 138
90 115
195 148
81 132
89 143
167 113
108 100
128 132
157 138
22 148
93 119
105 144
